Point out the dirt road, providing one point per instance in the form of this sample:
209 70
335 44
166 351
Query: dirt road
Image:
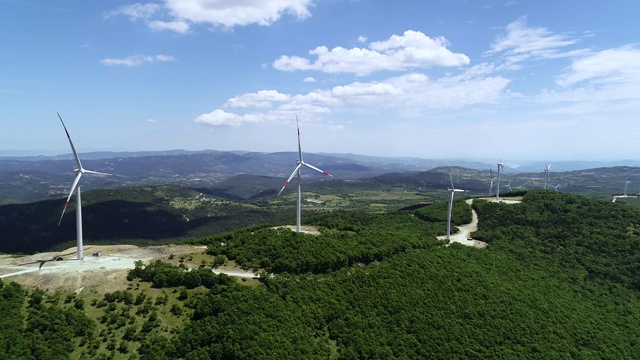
464 233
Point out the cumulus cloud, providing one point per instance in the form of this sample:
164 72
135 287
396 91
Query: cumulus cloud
238 13
178 26
407 95
136 60
309 79
220 118
521 42
363 92
260 99
410 50
180 15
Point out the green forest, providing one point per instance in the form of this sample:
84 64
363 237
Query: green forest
559 279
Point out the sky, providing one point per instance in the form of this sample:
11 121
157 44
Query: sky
449 79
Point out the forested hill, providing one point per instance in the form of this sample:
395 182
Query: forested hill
596 240
558 280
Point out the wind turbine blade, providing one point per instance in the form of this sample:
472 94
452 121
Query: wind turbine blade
95 172
290 177
316 169
299 147
73 188
75 153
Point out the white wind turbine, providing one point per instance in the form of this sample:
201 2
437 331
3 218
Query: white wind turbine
75 187
296 172
452 190
500 166
491 180
508 186
547 177
626 183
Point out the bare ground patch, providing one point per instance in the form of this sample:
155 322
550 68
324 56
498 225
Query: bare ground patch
104 273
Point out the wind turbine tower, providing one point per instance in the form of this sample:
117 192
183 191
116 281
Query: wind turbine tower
452 190
490 181
500 166
296 172
626 183
75 187
547 177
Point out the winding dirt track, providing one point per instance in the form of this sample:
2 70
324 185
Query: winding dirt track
464 232
464 235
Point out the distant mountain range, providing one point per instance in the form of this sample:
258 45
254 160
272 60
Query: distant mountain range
32 178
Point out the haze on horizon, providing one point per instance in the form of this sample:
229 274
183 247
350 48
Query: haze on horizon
521 80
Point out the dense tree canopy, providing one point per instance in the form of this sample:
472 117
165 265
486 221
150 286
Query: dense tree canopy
346 238
527 295
558 280
600 240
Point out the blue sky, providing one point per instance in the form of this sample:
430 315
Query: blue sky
528 80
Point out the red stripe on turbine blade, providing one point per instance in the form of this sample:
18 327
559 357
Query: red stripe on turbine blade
66 205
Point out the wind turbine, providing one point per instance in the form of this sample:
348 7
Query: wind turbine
508 186
75 187
452 190
296 172
500 166
491 180
626 183
547 177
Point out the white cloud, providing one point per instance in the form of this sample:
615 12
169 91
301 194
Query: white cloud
238 13
336 128
282 114
411 50
522 43
603 82
619 65
362 39
260 99
180 15
136 11
359 92
320 97
309 79
152 121
407 95
136 60
176 25
220 118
